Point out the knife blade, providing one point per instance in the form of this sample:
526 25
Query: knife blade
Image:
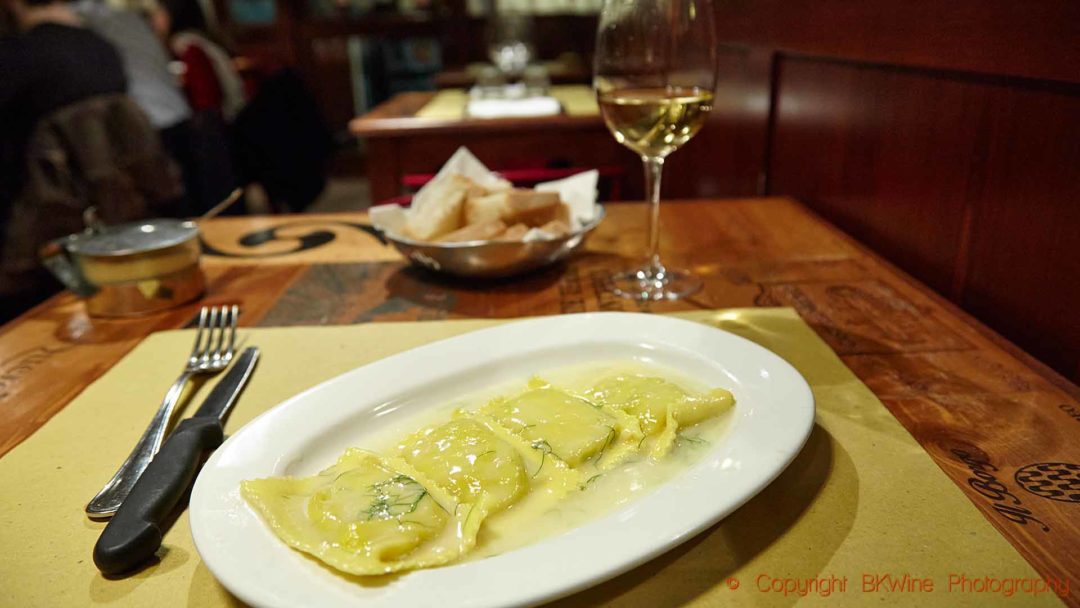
134 534
221 400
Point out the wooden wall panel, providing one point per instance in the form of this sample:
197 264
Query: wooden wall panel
967 182
884 154
1023 266
1034 38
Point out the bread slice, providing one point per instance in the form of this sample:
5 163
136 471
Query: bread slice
556 228
476 190
513 233
443 213
483 231
487 207
507 205
539 216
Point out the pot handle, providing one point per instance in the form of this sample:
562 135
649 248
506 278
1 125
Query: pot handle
58 260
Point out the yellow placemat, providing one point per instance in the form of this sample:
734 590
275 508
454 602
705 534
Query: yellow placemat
862 499
449 104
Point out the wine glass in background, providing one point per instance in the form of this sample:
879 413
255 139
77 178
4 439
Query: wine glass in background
510 42
654 76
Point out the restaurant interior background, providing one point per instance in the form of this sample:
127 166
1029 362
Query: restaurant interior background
944 134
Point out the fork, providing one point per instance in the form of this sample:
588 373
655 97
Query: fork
214 347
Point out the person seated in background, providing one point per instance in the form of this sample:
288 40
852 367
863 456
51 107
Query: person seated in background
213 88
281 144
54 61
71 139
131 26
211 80
146 62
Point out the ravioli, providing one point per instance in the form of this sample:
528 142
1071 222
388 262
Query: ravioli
469 462
661 407
484 475
569 427
366 515
546 475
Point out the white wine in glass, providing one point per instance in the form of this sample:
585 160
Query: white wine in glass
655 72
655 122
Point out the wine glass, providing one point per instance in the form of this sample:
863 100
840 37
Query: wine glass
509 42
654 76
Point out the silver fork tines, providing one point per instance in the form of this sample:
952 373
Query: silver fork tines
215 345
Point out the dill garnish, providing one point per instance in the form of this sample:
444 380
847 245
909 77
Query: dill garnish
393 497
610 440
681 440
468 516
589 480
545 449
416 523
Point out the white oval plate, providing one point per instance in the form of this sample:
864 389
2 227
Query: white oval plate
772 418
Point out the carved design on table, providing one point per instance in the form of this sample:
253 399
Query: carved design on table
1053 480
320 239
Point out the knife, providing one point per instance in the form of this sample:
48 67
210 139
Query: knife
134 534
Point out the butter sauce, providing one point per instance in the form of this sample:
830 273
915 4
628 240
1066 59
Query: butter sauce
541 515
507 466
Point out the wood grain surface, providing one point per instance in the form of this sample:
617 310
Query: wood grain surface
1004 427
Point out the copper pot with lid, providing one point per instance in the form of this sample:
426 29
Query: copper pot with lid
130 269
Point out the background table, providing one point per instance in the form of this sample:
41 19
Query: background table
401 143
1001 425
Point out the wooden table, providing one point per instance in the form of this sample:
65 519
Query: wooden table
399 143
558 73
982 409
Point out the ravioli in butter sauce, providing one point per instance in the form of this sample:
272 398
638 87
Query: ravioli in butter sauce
498 470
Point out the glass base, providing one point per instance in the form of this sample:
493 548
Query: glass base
654 283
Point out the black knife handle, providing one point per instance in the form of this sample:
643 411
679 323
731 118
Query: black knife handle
133 535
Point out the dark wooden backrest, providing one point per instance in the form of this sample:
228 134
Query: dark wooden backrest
943 133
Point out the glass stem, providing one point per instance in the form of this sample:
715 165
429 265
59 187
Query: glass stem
654 168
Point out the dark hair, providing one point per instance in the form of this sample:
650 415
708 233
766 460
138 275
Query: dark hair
44 2
7 26
185 15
